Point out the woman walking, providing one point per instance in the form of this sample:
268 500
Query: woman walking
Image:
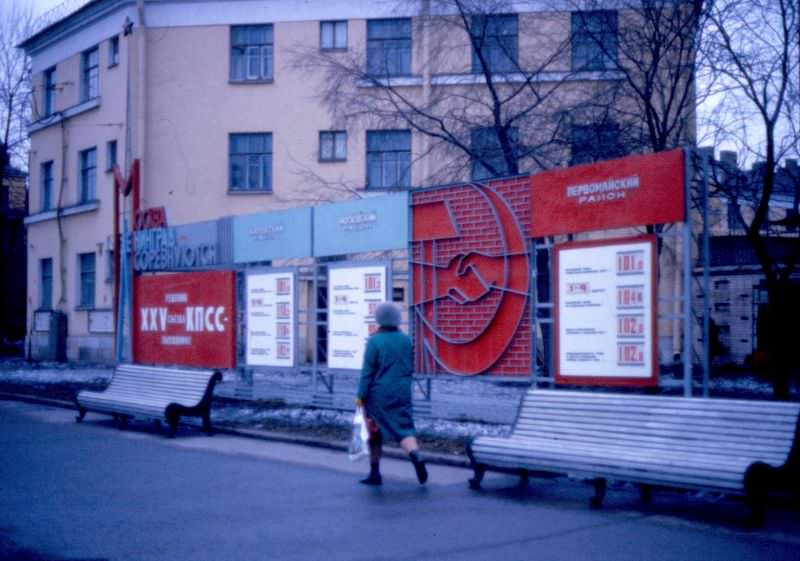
385 392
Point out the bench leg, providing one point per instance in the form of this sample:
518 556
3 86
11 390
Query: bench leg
646 494
524 478
172 420
207 424
480 471
81 414
599 493
756 488
122 421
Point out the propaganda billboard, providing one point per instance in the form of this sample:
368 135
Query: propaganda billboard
354 291
606 312
185 319
471 273
631 191
270 316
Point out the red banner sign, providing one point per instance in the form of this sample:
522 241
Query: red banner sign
632 191
186 319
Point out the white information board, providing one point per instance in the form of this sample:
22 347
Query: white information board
605 312
270 319
353 294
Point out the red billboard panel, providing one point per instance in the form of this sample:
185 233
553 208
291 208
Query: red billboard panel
632 191
471 275
186 319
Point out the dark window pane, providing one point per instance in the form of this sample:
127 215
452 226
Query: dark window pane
250 157
495 38
388 158
594 40
87 279
591 143
389 47
489 160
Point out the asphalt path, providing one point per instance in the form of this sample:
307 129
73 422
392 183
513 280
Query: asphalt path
89 491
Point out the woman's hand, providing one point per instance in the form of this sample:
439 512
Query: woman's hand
359 402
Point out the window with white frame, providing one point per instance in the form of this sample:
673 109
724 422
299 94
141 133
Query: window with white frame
88 167
388 158
389 47
494 41
49 89
46 171
86 281
594 40
489 160
46 283
90 74
332 146
250 157
333 35
251 53
113 51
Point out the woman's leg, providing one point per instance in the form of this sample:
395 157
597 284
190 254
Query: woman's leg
411 446
375 448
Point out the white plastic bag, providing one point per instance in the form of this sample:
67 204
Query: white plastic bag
359 436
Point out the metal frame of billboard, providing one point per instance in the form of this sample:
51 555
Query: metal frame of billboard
542 302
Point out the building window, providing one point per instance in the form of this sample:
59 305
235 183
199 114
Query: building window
47 185
488 159
495 39
88 164
389 47
251 53
251 162
113 51
332 146
333 35
389 158
86 270
49 102
590 143
111 154
46 283
594 40
90 75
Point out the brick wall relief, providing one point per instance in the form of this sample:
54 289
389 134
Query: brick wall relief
471 276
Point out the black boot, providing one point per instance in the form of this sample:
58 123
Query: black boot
374 477
419 467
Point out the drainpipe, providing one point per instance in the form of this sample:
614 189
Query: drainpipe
426 85
141 101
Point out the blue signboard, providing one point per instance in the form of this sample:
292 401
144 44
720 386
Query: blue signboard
369 224
184 247
284 234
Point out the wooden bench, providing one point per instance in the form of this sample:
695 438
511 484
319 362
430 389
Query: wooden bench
733 446
155 392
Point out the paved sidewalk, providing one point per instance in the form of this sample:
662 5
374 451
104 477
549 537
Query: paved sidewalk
89 491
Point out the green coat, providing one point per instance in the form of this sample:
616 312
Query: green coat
385 385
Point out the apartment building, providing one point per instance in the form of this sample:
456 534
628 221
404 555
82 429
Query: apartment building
220 103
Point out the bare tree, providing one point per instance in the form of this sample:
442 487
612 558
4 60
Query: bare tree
753 49
652 45
494 111
15 85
